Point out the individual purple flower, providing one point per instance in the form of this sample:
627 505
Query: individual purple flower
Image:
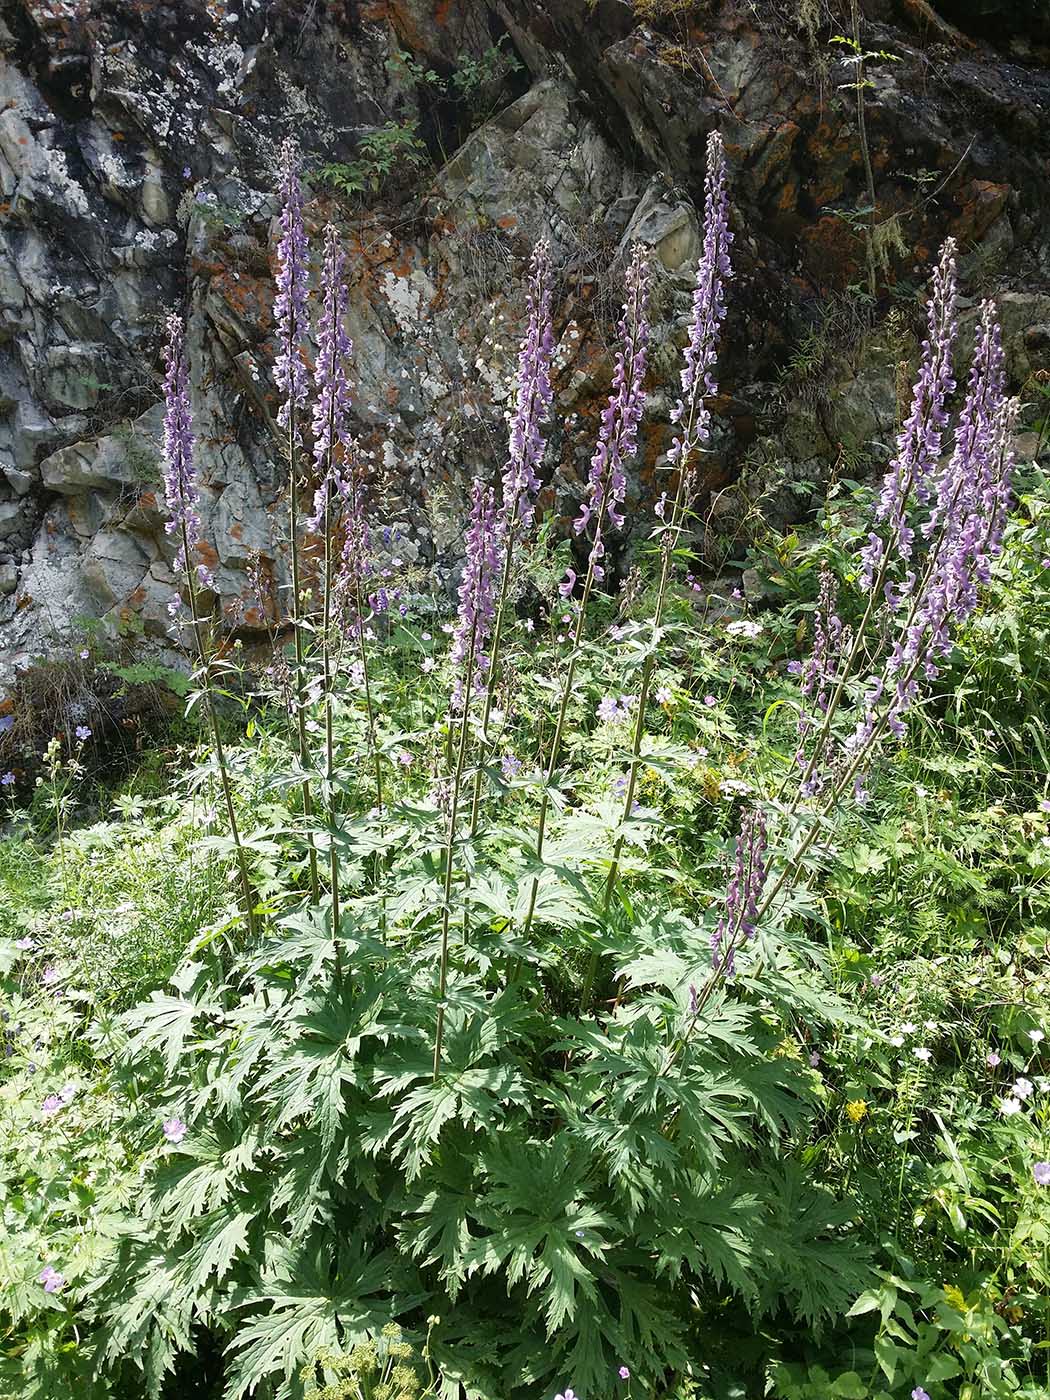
745 889
709 308
6 722
52 1280
24 945
181 489
621 417
533 397
6 779
568 583
51 976
992 1059
568 1395
477 591
82 732
1041 1172
289 309
174 1130
51 1105
510 766
624 1373
332 403
919 441
608 709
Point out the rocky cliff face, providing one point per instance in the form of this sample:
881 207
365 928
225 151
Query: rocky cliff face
138 143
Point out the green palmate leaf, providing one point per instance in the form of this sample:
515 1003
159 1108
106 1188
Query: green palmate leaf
200 1175
150 1317
219 1238
312 1302
714 1234
165 1024
308 1074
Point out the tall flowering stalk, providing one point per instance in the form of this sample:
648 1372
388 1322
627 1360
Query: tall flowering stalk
182 496
946 593
350 601
290 375
331 443
909 476
972 490
520 474
919 442
473 627
965 528
738 923
693 420
607 486
967 500
349 605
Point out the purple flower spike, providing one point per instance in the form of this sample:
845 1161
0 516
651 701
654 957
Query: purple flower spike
622 416
533 398
181 490
332 405
919 441
745 889
477 590
289 310
709 308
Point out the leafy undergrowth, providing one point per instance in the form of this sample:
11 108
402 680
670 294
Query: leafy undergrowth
228 1168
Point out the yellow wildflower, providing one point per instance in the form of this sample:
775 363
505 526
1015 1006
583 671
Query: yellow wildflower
856 1109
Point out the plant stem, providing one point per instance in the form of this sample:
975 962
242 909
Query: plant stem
862 129
373 745
668 534
329 735
216 734
563 707
497 638
450 838
297 632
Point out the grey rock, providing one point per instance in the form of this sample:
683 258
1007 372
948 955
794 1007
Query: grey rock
150 186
